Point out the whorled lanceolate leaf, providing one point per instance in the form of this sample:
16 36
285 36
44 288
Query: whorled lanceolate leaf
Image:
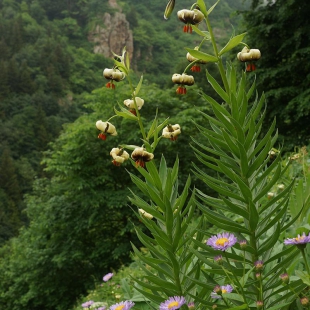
233 42
216 86
270 242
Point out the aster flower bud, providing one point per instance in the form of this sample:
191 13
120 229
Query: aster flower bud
191 306
259 265
214 307
270 195
258 275
304 301
281 187
243 244
219 259
130 103
285 278
259 304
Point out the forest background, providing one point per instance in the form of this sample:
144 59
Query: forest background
61 224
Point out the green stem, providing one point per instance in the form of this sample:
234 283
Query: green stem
237 281
220 64
111 117
137 111
192 63
305 259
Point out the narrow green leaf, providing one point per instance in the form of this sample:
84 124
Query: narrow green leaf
202 56
269 243
232 43
204 34
202 7
125 114
212 7
216 86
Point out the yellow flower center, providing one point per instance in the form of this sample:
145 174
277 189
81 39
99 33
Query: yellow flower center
173 304
300 238
224 291
120 307
221 241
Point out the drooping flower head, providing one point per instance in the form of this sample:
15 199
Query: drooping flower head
222 241
173 303
105 128
130 103
220 290
119 155
196 66
189 18
171 132
141 156
107 277
113 75
249 55
87 304
123 305
182 79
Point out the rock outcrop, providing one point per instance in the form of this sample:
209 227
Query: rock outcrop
112 34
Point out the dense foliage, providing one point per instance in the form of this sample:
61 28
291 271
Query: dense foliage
281 30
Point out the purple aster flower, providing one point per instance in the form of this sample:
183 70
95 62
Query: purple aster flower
87 304
123 305
222 241
173 303
107 277
303 239
220 290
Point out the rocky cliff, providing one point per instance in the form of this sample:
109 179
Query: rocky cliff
112 33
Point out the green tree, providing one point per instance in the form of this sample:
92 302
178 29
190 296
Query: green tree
280 30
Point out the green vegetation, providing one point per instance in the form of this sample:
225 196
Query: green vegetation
71 202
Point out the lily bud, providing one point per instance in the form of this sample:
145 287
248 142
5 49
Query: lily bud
145 214
169 9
